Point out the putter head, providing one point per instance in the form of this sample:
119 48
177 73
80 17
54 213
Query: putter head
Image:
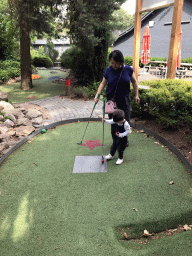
79 143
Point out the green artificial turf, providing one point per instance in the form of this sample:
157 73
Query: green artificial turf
48 210
42 88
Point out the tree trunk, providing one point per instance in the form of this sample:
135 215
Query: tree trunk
100 55
26 80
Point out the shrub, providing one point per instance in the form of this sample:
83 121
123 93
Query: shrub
68 55
42 61
81 92
168 101
4 75
7 64
128 60
187 60
80 62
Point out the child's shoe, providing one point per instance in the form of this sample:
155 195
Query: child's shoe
119 161
109 157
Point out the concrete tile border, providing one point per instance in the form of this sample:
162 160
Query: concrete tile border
49 126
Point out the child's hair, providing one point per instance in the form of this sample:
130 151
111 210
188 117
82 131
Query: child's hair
118 115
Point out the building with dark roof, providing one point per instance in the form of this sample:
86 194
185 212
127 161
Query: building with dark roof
160 23
59 44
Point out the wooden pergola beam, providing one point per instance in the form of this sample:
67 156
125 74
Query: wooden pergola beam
137 36
176 26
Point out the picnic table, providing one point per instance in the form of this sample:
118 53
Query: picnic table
164 63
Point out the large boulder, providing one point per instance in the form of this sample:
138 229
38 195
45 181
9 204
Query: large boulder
24 130
3 96
9 123
24 121
7 107
33 114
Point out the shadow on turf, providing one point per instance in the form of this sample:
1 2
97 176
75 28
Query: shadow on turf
136 230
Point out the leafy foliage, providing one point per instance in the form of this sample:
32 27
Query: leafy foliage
8 33
168 101
50 51
89 30
42 61
9 69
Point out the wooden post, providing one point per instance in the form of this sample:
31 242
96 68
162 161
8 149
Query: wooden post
137 36
176 26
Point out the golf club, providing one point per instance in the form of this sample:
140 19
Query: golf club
80 143
102 159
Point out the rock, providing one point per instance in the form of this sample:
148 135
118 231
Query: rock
33 114
12 118
37 121
7 107
24 130
24 121
12 143
3 96
18 79
34 71
3 146
3 137
3 128
18 114
1 108
9 123
11 132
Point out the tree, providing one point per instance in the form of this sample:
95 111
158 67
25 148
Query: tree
90 30
50 50
8 33
32 15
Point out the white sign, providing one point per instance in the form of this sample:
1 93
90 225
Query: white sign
155 4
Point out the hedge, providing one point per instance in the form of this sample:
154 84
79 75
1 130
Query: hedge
168 101
42 61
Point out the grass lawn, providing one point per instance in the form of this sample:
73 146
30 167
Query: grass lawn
43 88
48 210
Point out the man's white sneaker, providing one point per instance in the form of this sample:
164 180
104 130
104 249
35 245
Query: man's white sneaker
119 161
109 157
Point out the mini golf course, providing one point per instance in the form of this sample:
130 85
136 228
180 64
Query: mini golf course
46 209
43 87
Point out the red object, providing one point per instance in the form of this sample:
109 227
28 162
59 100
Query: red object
117 133
92 144
179 51
146 42
68 82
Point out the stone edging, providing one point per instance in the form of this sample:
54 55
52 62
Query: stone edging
161 139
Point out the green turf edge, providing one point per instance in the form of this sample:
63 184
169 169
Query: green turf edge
161 139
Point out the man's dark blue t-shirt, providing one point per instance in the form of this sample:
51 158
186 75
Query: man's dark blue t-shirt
112 77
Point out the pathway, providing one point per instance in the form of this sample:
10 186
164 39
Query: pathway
64 108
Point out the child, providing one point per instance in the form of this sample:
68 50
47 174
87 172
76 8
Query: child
122 128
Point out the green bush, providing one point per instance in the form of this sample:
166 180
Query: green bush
168 101
4 75
81 92
78 61
42 61
67 56
7 64
129 61
9 69
187 60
